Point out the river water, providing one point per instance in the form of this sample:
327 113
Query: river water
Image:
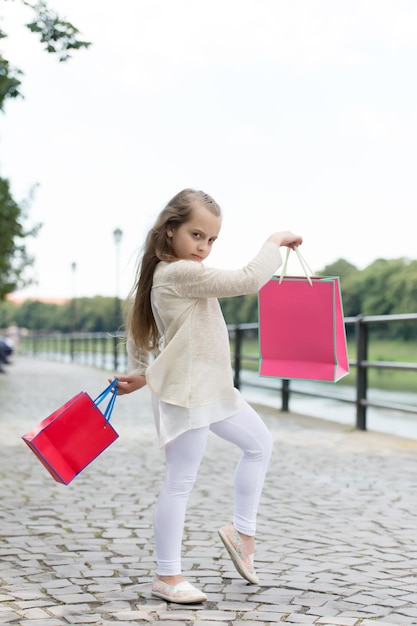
379 420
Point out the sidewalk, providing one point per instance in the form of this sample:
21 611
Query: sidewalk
337 532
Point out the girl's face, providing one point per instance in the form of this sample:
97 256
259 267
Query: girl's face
193 240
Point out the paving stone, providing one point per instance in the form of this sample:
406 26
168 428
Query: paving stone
219 616
263 616
86 619
336 528
138 616
244 622
213 622
336 621
377 622
66 609
35 613
74 598
41 622
173 623
31 604
8 616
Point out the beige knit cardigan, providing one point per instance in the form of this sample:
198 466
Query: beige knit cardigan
193 365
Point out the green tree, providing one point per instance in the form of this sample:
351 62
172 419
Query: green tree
35 315
349 281
8 311
14 259
376 279
384 287
341 268
9 81
59 37
94 314
401 291
79 315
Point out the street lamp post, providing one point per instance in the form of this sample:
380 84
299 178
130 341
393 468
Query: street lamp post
117 235
73 311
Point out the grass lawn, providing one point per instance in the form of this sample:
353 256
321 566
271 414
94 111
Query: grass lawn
379 350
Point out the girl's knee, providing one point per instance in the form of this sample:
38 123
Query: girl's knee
261 451
270 444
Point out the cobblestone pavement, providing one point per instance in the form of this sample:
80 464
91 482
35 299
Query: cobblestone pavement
336 536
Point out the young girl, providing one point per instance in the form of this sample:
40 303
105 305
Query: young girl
176 317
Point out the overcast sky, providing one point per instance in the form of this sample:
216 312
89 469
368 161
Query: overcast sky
293 114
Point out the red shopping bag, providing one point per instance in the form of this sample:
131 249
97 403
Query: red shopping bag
74 435
301 329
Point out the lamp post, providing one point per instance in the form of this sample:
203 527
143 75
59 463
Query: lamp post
117 235
73 311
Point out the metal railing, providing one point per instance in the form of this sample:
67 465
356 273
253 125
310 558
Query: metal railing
108 352
361 325
104 350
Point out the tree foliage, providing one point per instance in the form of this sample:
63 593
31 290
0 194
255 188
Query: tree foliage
80 314
9 81
59 37
14 259
384 287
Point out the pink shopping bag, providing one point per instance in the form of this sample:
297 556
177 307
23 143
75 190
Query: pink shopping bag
301 329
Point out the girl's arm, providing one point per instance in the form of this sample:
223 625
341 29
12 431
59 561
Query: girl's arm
138 362
191 279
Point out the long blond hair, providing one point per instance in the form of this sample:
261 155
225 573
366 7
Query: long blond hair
158 247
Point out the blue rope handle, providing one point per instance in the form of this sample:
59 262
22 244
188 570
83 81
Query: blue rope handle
109 408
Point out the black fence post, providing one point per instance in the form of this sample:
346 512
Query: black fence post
237 350
104 352
115 352
285 395
72 348
362 372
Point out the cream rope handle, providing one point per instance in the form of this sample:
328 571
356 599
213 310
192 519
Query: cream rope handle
306 269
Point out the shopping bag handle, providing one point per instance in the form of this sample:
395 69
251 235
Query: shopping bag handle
109 408
306 268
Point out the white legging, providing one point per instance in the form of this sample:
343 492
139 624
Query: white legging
183 457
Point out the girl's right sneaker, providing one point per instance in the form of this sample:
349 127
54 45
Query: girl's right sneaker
182 593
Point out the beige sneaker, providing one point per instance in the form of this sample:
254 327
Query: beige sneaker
182 593
237 551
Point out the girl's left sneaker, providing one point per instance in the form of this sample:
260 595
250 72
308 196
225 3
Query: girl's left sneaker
242 561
